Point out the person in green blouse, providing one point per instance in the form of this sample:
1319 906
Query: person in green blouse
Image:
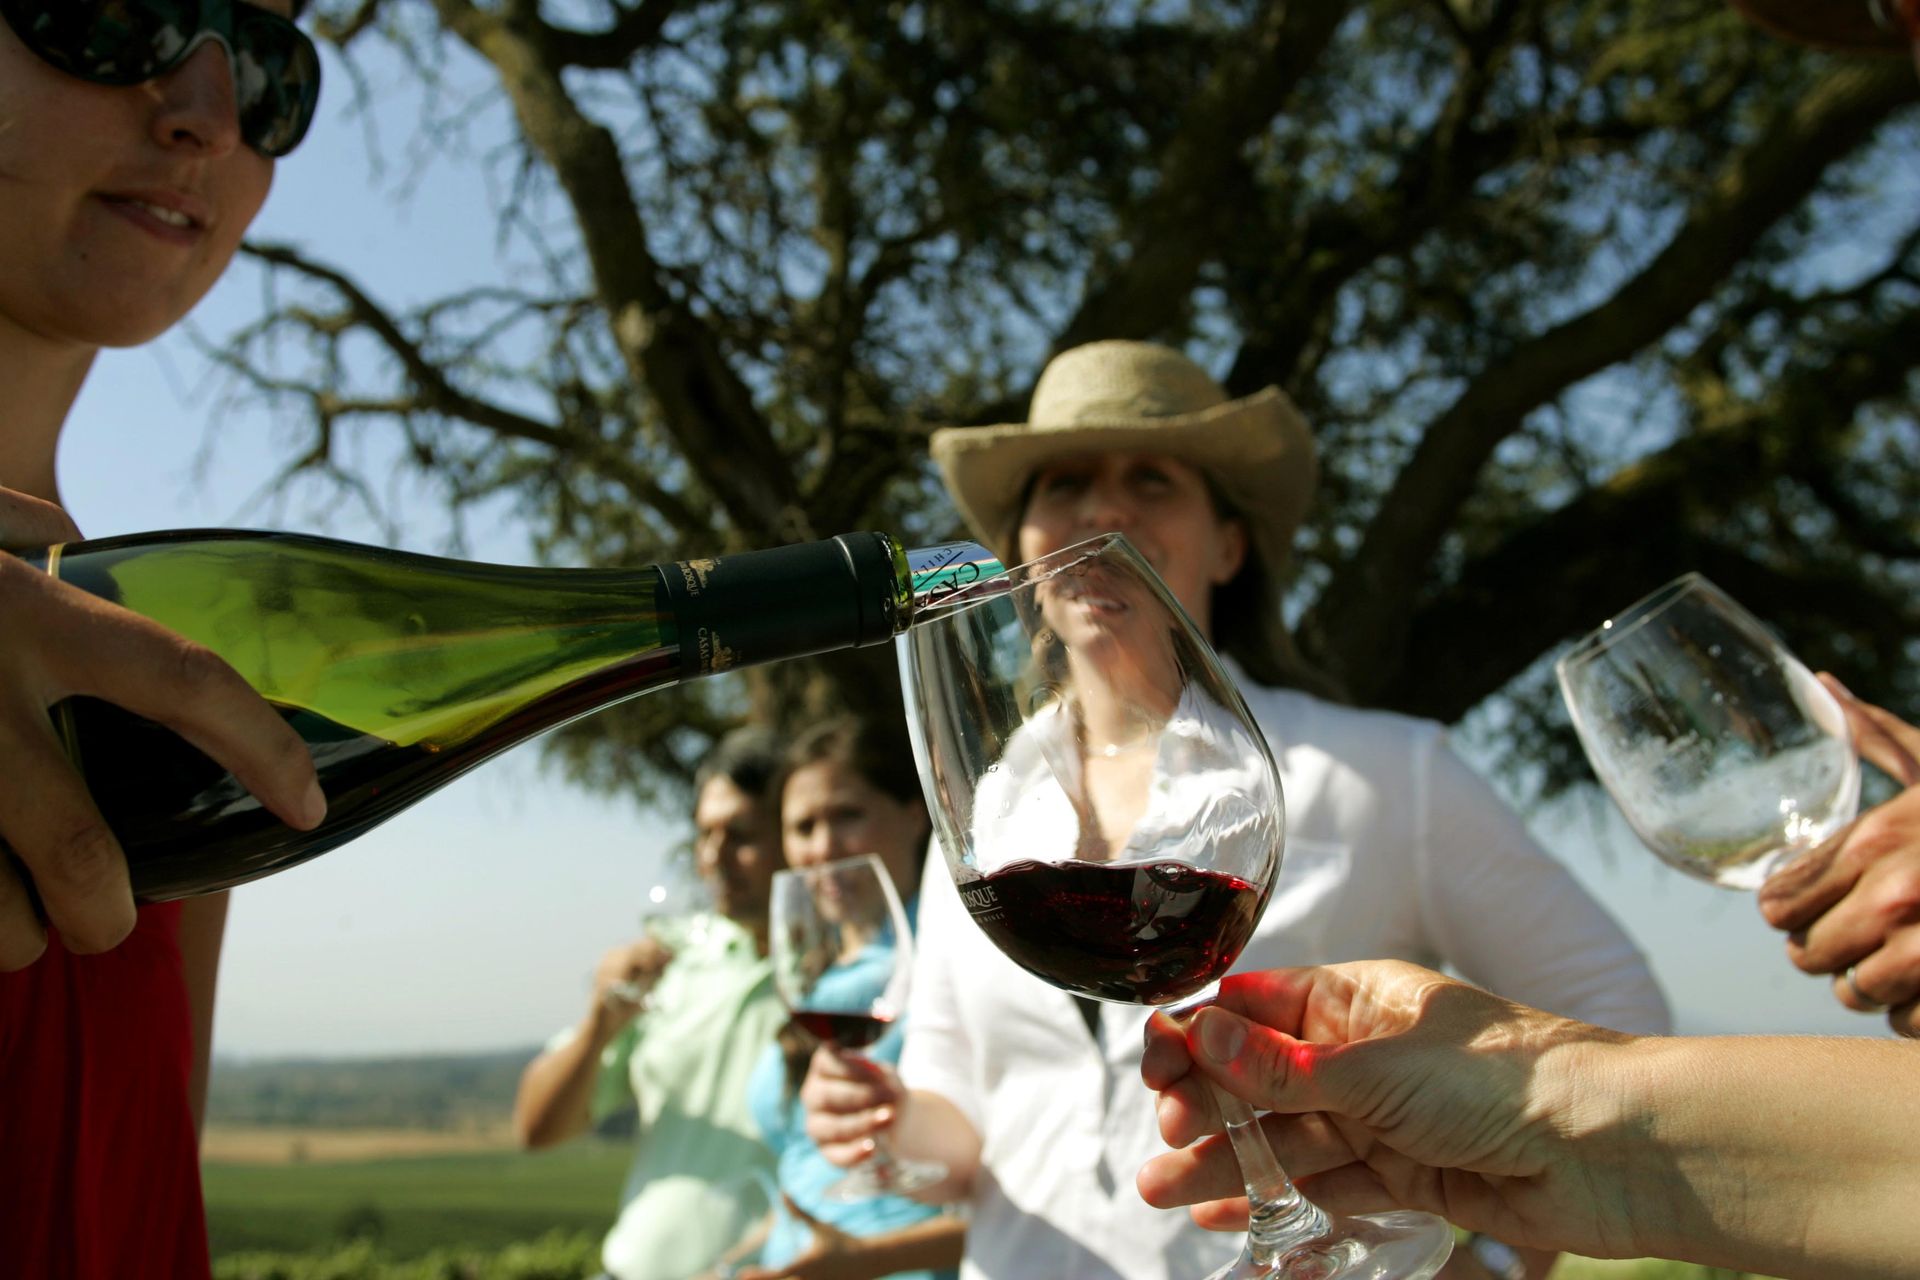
676 1030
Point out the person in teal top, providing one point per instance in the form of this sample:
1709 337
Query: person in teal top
677 1031
850 788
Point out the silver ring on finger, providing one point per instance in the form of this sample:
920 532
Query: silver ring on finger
1867 1003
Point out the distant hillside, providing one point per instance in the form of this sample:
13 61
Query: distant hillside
440 1092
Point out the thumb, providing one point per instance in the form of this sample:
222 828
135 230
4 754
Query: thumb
825 1235
1261 1066
797 1211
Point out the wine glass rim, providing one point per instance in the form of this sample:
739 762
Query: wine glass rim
822 868
1022 576
1637 615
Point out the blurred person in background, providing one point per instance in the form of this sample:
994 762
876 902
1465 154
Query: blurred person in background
120 205
850 788
1394 846
677 1035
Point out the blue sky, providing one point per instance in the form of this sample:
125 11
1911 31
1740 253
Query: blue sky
474 920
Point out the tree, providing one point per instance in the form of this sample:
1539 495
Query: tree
1576 296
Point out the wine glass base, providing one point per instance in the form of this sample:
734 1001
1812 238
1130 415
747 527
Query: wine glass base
894 1177
1401 1245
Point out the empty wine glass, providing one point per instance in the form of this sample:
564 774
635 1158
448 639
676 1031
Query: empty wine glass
676 911
1724 752
1113 821
842 954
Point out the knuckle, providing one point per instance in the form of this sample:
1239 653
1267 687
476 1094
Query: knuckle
197 671
85 860
1875 835
1900 896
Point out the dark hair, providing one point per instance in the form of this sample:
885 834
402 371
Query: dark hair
875 749
878 750
1248 625
748 757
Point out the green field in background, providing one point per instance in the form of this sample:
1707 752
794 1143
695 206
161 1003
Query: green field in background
403 1209
410 1206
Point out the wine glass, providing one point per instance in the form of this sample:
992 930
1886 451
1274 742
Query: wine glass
1113 821
676 911
842 955
1726 755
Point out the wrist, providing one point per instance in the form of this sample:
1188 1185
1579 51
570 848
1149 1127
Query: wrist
603 1023
1667 1152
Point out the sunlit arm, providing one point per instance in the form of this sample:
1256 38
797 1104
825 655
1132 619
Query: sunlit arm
927 1126
555 1098
1393 1087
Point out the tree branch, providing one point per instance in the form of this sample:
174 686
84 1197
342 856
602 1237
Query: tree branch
1144 295
1360 625
703 404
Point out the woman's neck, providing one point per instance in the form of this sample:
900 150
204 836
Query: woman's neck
41 379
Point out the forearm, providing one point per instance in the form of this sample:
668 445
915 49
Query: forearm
555 1099
930 1127
1786 1156
933 1245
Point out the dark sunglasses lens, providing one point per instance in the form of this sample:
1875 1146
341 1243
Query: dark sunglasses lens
106 41
276 82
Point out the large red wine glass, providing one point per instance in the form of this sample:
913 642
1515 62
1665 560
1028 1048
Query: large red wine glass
1113 821
842 954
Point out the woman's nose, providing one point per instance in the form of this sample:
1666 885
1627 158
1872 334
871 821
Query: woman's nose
198 110
1104 508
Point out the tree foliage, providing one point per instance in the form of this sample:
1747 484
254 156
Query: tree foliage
1576 295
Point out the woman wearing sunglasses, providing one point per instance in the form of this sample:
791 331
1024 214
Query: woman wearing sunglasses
137 142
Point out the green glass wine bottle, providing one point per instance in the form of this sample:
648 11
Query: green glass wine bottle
403 671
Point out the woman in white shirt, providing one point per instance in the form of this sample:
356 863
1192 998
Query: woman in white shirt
1394 847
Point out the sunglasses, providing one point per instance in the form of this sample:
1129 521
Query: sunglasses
276 70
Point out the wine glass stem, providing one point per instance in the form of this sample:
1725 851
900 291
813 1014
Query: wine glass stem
1281 1219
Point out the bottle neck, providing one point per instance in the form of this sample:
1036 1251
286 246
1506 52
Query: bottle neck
943 573
847 592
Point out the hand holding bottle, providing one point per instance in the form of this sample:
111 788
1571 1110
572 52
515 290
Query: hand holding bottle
60 642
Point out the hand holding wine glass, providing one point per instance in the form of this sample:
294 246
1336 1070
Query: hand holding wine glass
1113 821
676 913
842 955
1848 906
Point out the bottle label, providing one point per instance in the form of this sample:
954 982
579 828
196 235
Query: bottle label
759 606
709 654
62 712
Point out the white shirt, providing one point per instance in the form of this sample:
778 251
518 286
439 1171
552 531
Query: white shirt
1034 804
1394 849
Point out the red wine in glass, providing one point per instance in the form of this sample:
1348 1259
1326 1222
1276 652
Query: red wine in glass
845 1030
1143 933
1113 819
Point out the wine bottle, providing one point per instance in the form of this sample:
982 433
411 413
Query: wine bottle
403 671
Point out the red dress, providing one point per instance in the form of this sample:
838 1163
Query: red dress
99 1162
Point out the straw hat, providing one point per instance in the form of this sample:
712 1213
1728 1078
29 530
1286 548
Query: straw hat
1145 398
1843 26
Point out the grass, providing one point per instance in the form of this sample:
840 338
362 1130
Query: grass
411 1206
1589 1269
404 1208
